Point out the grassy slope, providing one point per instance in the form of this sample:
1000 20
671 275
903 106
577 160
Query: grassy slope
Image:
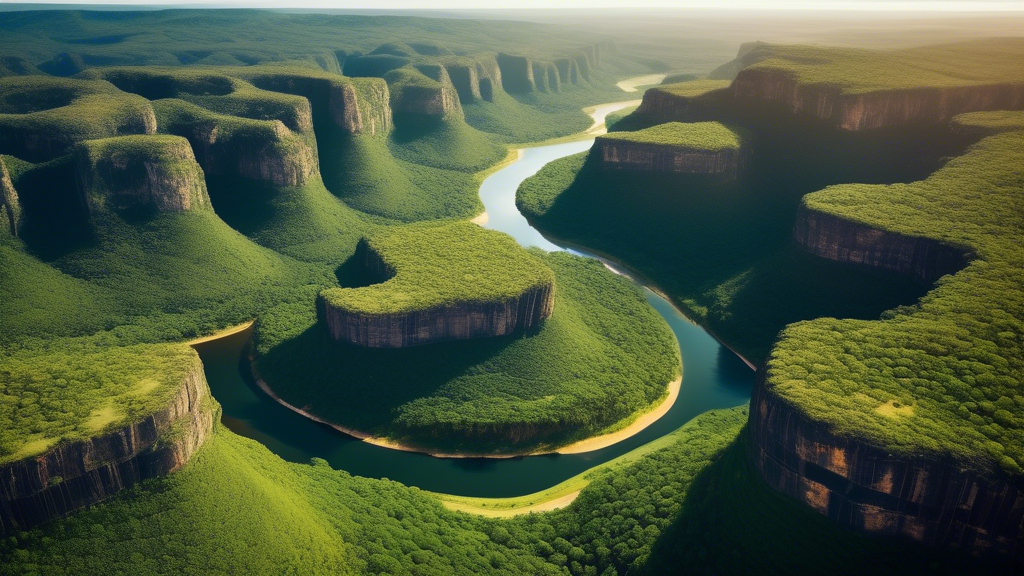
602 355
239 509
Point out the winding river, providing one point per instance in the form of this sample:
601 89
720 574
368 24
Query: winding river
713 377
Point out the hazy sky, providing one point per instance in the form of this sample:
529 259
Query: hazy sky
914 5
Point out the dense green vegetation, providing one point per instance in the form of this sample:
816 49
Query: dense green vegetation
752 281
693 88
439 265
941 377
856 71
239 509
602 356
710 136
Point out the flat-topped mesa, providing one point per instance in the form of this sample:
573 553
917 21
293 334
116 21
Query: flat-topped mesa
156 172
690 101
10 207
42 117
699 148
355 105
523 74
829 236
75 474
863 89
263 150
440 282
425 91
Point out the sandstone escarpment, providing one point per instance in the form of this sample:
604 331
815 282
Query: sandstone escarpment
157 172
620 155
73 475
10 207
838 239
875 109
516 73
929 500
677 103
357 106
451 321
424 91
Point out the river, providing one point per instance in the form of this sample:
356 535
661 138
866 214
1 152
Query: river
713 377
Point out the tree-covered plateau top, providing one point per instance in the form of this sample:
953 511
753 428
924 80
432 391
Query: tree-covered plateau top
940 378
438 265
710 136
858 71
74 389
602 356
992 121
693 88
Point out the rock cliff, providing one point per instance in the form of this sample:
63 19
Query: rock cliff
157 172
876 109
10 207
454 320
692 101
424 91
619 155
73 475
932 501
837 239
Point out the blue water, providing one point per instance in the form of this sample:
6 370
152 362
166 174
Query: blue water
713 377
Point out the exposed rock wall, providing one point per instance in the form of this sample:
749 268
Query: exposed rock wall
118 173
837 239
873 109
621 155
862 487
77 474
516 73
466 80
359 106
10 207
664 106
433 96
458 321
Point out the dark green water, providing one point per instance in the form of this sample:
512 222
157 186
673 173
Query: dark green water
713 377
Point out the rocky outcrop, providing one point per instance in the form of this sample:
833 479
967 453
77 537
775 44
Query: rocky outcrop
622 155
156 172
835 238
666 105
877 109
10 207
929 500
357 106
466 80
425 91
76 474
516 73
455 321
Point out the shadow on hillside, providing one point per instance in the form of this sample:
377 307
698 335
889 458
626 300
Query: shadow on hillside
726 246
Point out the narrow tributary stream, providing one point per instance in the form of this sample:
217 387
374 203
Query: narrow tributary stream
713 377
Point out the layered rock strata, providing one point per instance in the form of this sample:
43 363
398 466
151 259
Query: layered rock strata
360 106
666 104
877 109
157 172
838 239
73 475
10 207
455 321
928 500
620 155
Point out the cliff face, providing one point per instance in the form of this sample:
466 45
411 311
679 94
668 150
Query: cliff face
119 174
433 96
667 107
619 155
837 239
516 73
872 109
74 475
466 80
10 207
353 115
461 320
931 501
281 158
